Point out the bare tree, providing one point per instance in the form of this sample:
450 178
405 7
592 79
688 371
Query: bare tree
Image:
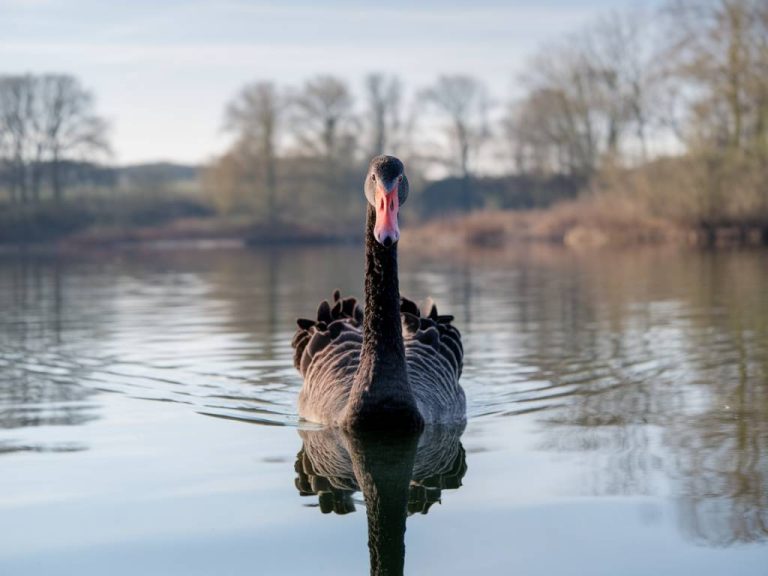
620 62
47 120
587 99
70 128
323 121
5 154
541 133
256 117
464 101
324 130
384 113
721 47
16 115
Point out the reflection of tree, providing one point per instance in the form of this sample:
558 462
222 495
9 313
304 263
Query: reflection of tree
398 476
722 449
644 363
267 289
221 325
653 363
43 354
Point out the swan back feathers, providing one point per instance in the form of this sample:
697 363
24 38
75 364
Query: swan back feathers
327 353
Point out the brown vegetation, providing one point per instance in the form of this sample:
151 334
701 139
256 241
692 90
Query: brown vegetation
586 222
660 121
635 128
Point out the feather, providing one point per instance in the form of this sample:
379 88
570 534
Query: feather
348 307
410 323
409 307
336 310
305 323
324 312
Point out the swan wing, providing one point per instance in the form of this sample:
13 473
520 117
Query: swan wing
434 354
327 354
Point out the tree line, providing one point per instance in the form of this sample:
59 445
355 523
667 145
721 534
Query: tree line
50 135
667 108
670 107
309 143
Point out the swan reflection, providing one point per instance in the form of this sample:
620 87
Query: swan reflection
398 475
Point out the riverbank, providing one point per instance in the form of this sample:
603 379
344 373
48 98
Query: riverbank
191 231
582 223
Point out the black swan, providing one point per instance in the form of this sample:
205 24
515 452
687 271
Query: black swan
394 366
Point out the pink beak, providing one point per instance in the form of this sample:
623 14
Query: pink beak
387 206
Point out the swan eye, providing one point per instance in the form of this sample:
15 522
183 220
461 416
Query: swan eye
400 178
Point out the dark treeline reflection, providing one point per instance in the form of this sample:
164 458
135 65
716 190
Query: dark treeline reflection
398 476
40 367
206 328
651 365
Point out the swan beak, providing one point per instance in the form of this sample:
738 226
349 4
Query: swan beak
386 230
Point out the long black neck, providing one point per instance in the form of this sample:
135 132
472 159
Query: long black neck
382 330
381 395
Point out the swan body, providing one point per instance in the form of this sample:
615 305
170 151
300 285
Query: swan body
393 365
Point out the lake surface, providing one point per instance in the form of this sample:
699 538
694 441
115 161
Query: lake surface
618 417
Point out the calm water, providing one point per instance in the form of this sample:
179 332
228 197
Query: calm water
618 418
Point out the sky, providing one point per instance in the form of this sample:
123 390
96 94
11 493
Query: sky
163 71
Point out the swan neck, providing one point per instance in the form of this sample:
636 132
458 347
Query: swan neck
381 395
382 330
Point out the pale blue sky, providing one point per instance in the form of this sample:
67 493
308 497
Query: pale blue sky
163 70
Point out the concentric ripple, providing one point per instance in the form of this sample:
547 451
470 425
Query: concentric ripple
591 345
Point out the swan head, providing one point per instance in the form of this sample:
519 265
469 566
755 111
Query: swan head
386 189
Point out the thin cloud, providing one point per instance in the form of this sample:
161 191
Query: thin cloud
167 69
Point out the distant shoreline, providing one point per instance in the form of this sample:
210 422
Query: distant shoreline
579 225
568 224
210 232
